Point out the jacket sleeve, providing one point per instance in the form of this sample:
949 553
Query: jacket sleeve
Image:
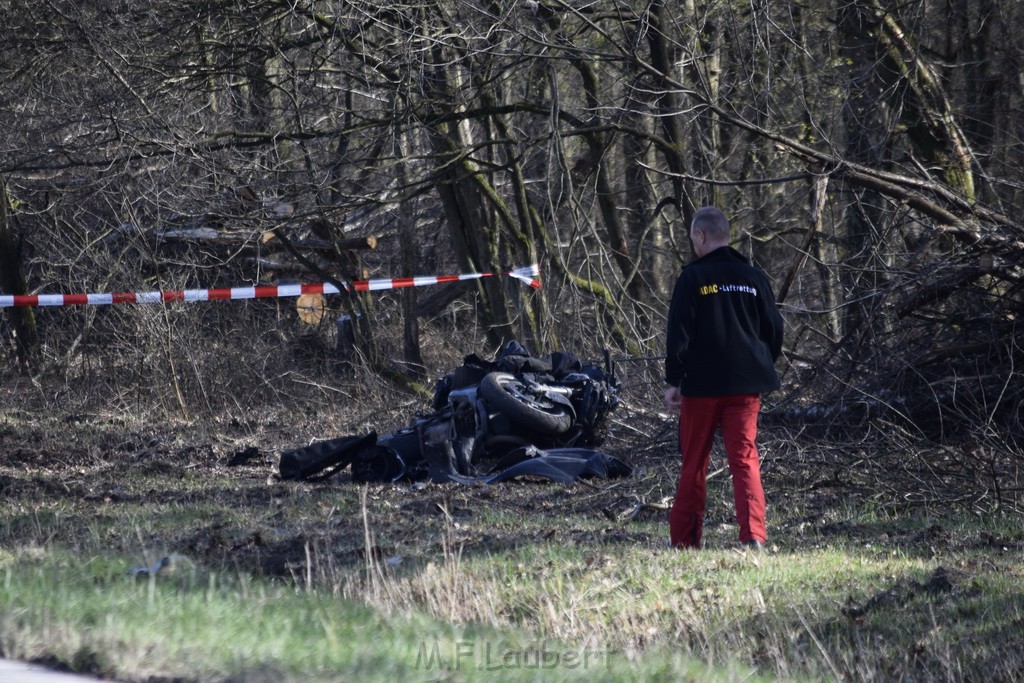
681 314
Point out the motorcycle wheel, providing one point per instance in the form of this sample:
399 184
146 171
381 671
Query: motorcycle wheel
505 393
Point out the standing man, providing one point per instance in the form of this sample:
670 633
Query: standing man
724 334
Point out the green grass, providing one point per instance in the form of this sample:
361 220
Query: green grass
594 613
196 625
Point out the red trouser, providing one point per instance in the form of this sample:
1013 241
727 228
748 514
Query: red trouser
737 418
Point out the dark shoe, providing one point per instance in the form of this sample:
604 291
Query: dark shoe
755 545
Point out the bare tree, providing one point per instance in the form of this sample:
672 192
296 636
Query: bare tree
865 149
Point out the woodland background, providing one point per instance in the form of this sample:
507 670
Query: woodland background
868 152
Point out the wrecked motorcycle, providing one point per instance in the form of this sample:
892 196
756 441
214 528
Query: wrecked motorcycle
485 409
507 410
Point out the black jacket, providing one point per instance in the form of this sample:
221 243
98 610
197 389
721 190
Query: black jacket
724 330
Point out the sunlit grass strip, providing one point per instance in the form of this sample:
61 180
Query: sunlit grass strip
192 625
195 625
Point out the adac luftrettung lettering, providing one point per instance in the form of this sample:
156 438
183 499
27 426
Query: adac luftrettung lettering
705 290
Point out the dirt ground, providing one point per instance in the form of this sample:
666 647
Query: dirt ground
241 514
216 499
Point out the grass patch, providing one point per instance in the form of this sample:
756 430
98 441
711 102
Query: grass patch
187 623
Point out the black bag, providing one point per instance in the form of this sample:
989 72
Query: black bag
303 463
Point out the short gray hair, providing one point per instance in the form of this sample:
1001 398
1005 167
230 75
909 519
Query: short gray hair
712 221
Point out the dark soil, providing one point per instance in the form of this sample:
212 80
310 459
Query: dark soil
223 504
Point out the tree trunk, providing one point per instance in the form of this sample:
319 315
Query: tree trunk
669 106
705 72
930 118
411 352
525 245
471 223
12 280
598 148
868 135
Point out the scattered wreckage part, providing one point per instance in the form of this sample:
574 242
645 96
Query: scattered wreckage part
437 443
561 465
403 446
332 455
542 410
471 417
377 464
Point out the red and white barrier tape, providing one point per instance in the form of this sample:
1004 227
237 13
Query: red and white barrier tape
528 275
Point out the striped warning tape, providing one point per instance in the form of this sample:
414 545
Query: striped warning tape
527 274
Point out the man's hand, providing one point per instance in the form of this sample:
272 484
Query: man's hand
673 398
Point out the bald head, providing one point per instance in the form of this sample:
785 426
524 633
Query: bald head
709 230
